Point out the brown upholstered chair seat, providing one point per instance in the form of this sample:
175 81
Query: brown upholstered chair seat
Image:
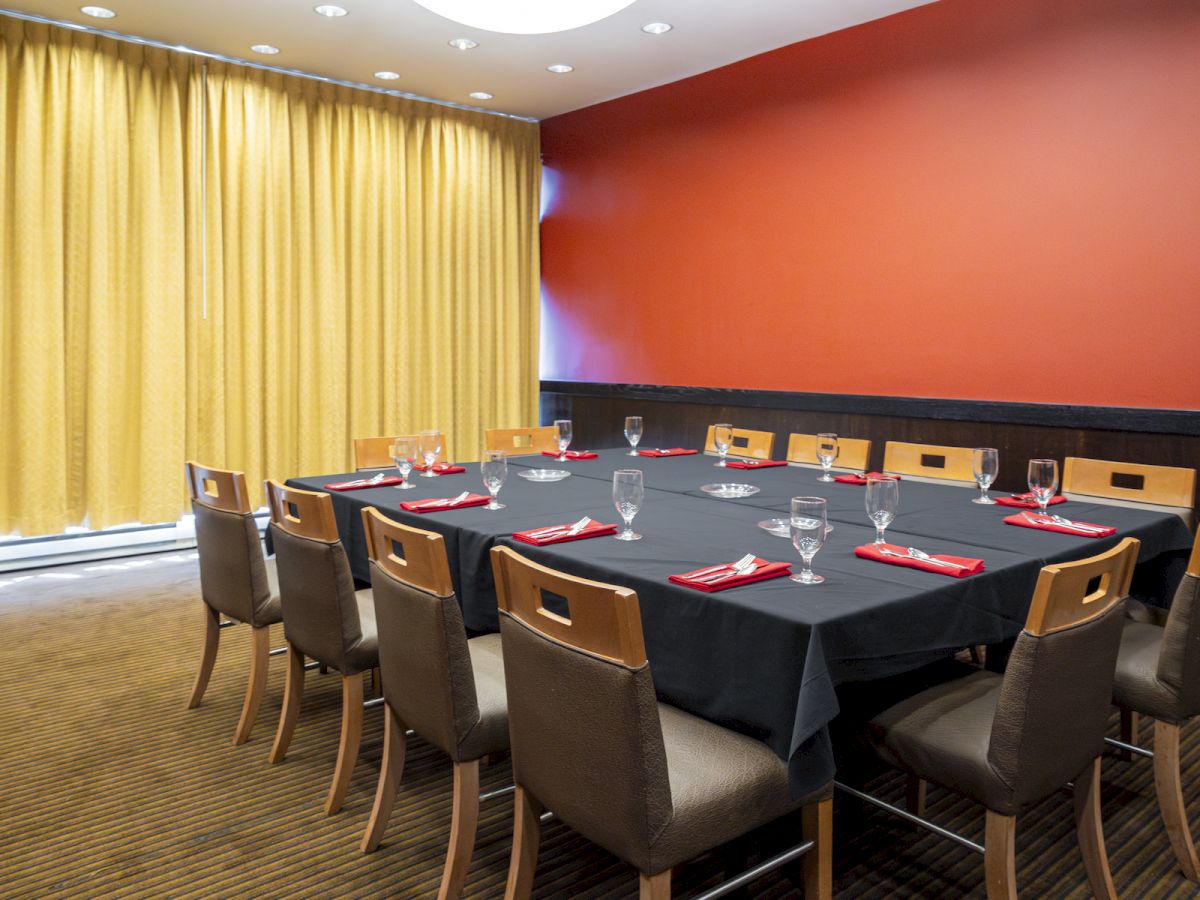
723 784
490 733
363 654
1137 685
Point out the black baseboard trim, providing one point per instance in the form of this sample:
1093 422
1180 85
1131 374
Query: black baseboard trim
1054 415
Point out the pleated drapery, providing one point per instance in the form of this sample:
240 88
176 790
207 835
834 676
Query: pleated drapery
211 261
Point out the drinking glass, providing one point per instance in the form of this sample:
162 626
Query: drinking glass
808 534
404 454
883 502
494 469
564 437
628 493
1043 481
633 432
985 462
827 452
722 440
430 445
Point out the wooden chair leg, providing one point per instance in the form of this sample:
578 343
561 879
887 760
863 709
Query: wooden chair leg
526 833
293 692
1170 798
914 795
817 826
208 656
352 718
1089 829
654 887
462 829
1129 731
999 858
390 773
256 686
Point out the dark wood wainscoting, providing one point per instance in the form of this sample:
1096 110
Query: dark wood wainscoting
680 416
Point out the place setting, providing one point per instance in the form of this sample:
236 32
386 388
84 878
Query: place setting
1043 484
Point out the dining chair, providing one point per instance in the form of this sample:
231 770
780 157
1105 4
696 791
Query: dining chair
1158 675
235 581
649 782
521 441
373 452
1009 741
1130 484
853 453
324 617
747 444
446 688
929 462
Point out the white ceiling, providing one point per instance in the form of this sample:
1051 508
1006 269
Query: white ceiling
612 57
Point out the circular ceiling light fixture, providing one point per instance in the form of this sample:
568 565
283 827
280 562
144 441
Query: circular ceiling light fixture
387 76
480 95
525 16
98 12
265 49
463 43
657 28
560 68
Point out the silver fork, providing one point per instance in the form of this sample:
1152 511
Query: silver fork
1059 520
921 554
451 500
567 530
743 566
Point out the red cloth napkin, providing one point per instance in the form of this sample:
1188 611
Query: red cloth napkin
443 468
595 529
859 478
1026 501
673 451
359 483
1044 523
764 571
755 463
572 454
872 551
422 506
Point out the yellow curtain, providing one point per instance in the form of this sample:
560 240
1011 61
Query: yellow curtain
209 261
372 269
93 202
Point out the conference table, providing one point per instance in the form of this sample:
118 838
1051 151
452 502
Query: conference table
766 658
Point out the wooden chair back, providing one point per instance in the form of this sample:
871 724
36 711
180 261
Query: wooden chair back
521 441
1130 482
928 461
1069 594
1194 560
853 453
217 488
603 619
747 443
422 560
306 514
373 452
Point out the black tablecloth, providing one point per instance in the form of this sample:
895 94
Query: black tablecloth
764 658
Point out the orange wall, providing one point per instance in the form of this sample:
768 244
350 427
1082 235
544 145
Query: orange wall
973 199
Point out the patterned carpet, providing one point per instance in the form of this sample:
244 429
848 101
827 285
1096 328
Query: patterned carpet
110 788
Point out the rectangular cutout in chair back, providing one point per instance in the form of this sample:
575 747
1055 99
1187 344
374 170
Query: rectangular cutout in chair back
292 511
933 461
397 551
554 606
210 488
1096 589
522 440
1128 481
740 442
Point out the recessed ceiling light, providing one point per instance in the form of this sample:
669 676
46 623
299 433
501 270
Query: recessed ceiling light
329 11
265 49
98 12
387 76
463 44
526 17
560 68
480 95
657 28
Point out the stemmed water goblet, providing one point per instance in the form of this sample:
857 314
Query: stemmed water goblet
494 469
404 454
633 433
985 463
563 438
430 445
628 494
722 440
883 502
808 528
827 452
1043 481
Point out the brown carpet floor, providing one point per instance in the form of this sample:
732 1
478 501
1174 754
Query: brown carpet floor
110 788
